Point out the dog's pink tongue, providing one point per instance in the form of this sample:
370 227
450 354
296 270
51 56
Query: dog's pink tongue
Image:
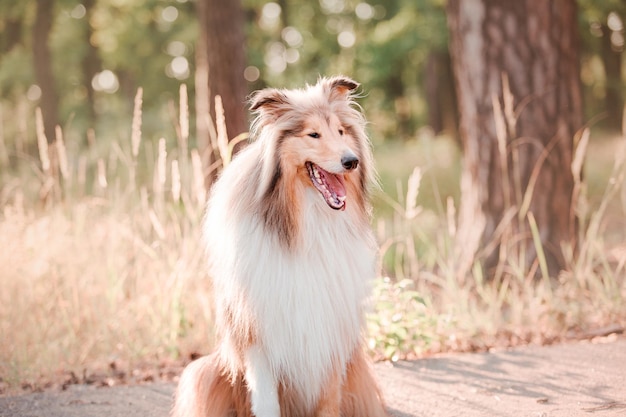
336 185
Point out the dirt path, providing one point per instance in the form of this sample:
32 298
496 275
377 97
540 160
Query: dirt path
579 379
565 380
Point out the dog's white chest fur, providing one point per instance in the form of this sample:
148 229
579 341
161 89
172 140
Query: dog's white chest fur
310 309
305 305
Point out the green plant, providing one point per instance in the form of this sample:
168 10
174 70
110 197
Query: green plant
403 323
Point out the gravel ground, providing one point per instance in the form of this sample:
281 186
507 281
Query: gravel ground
576 379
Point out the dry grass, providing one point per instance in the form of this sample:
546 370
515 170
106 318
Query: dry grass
102 260
466 310
92 283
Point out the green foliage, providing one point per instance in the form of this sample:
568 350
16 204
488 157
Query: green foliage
598 10
387 42
593 24
133 39
16 72
384 44
403 324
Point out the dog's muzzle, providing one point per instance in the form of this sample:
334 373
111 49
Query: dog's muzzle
349 162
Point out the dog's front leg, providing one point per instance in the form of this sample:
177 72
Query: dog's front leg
330 402
261 383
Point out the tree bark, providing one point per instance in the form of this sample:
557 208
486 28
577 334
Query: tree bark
530 47
438 80
12 35
91 63
220 63
43 66
612 60
203 94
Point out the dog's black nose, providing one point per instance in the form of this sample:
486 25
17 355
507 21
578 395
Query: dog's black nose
350 162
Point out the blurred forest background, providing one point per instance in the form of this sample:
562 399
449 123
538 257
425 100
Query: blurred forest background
90 57
501 213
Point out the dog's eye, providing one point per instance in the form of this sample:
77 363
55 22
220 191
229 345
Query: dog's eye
314 135
341 132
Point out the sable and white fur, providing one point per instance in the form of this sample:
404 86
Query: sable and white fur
291 255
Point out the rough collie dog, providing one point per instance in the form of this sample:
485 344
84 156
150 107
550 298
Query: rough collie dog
291 253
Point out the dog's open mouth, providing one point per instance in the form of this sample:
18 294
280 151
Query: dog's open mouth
330 186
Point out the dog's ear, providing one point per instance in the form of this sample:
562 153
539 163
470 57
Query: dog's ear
269 101
339 87
343 85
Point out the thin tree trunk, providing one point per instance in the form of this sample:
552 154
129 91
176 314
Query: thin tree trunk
12 34
431 86
43 66
203 94
91 63
222 37
227 60
440 95
531 48
612 60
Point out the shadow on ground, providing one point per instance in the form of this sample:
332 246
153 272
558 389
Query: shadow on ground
553 381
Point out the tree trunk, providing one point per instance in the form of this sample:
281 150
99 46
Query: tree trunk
521 57
438 80
220 63
91 63
227 60
612 60
12 34
203 94
43 66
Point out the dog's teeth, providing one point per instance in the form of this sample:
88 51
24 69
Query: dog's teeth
342 198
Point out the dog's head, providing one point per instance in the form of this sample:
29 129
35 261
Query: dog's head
315 135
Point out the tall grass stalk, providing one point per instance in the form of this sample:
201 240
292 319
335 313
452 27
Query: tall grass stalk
42 142
4 153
